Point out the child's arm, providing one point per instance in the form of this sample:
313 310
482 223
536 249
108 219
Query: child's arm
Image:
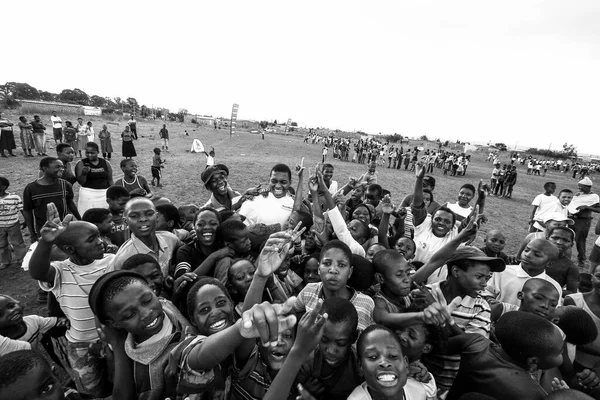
298 197
388 208
313 186
572 280
110 174
434 314
418 205
531 221
39 266
123 374
310 330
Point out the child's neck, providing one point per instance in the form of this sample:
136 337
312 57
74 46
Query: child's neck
79 260
343 293
391 296
533 271
129 176
379 396
451 289
150 241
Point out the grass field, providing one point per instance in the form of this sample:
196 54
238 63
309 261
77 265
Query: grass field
249 160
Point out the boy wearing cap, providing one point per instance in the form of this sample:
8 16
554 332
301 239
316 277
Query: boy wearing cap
581 208
222 197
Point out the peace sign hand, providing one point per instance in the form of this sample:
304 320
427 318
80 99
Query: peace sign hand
52 229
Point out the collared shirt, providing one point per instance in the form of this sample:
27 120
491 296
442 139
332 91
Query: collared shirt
167 243
214 203
504 286
267 210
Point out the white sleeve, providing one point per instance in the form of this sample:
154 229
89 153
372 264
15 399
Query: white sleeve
342 232
9 345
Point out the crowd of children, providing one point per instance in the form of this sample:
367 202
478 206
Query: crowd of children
340 298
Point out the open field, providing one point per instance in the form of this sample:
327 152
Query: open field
249 160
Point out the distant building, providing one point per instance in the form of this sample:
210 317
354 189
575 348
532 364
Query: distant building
49 106
87 110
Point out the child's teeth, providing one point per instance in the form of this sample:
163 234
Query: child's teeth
218 324
151 324
386 377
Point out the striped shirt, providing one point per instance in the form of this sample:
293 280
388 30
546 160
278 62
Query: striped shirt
10 205
71 286
312 292
36 327
473 315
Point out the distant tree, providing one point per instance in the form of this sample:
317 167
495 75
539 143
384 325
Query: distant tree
47 96
263 124
98 101
294 123
110 103
501 146
423 137
133 105
183 111
446 143
23 91
274 122
569 150
74 96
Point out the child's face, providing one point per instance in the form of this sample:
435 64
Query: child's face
39 383
162 224
465 196
335 269
551 189
327 174
117 206
383 364
206 228
106 226
361 213
565 198
474 279
372 167
130 168
539 299
213 311
405 247
358 193
562 240
240 242
141 218
495 241
441 223
414 342
311 271
534 256
336 342
188 213
426 199
310 243
11 312
279 183
87 243
153 276
275 356
240 276
137 310
357 230
218 183
397 278
374 249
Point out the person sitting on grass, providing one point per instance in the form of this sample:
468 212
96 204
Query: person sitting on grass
102 218
135 184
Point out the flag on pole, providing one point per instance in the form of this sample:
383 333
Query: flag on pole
233 121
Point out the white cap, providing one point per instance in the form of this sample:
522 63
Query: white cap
585 181
558 217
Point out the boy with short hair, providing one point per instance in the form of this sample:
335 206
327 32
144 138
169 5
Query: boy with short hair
563 270
494 243
543 204
157 164
70 281
102 218
537 296
164 136
186 216
117 197
168 220
235 235
10 227
140 216
135 184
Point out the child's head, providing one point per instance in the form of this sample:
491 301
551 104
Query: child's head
156 150
363 213
239 277
274 357
11 312
358 192
383 364
26 375
556 219
421 338
565 196
310 241
298 216
209 306
442 221
327 170
101 217
117 197
538 253
394 271
187 212
427 197
538 296
167 217
494 240
372 167
206 224
470 269
374 192
81 242
140 216
406 246
466 194
562 237
549 187
374 249
129 167
280 180
335 265
340 330
311 269
148 267
123 300
4 184
531 341
577 324
235 235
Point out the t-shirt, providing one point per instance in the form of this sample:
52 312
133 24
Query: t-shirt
71 287
97 177
413 390
461 213
583 200
56 122
267 210
164 133
119 233
483 370
36 197
167 243
36 327
545 206
427 243
156 161
10 205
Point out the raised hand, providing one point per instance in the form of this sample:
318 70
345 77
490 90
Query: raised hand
386 205
310 329
54 228
275 251
419 170
313 184
184 280
266 321
304 393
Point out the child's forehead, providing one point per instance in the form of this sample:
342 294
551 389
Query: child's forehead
338 330
147 266
240 265
335 254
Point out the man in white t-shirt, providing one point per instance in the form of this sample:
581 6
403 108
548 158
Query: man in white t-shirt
277 205
56 128
581 208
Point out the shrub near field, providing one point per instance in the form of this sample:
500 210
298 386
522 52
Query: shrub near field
250 159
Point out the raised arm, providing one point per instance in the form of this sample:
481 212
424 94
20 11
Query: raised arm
418 205
39 266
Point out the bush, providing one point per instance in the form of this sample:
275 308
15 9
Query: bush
194 121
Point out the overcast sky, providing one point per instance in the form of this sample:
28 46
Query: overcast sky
525 72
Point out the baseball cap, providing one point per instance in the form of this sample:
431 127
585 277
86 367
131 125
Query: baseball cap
496 264
208 173
559 217
585 181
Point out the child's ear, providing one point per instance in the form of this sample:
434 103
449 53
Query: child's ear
520 295
379 278
454 271
427 348
69 249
